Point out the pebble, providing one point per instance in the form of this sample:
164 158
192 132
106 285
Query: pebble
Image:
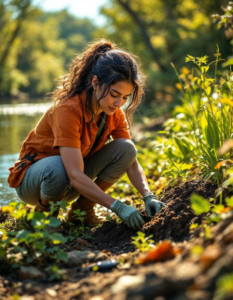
51 292
77 258
30 272
127 281
27 298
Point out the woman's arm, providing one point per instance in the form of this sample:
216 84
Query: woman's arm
74 165
138 178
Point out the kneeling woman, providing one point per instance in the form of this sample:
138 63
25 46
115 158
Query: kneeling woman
67 150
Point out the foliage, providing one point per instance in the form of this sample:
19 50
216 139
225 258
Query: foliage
178 171
36 245
199 204
160 32
43 48
56 274
224 287
143 243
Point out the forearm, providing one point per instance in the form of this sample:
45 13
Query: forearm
89 189
138 178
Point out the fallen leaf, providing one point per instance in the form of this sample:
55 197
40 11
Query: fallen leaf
210 255
161 252
226 146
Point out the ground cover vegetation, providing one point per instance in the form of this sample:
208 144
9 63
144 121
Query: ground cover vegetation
183 252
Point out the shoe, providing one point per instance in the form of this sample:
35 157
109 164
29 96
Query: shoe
90 219
42 208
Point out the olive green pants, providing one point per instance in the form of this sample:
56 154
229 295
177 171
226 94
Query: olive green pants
48 178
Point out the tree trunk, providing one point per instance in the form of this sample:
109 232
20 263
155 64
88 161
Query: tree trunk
15 33
141 25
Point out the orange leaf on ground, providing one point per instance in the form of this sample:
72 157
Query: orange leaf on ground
223 210
104 251
223 163
161 252
210 255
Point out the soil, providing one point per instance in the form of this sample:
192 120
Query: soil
172 222
189 275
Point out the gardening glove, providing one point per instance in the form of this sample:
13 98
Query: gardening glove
151 202
128 214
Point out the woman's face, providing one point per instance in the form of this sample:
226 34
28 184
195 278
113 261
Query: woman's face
117 96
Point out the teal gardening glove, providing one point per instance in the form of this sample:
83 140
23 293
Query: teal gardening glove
128 214
151 202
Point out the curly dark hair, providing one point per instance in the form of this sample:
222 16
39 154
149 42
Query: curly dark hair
111 65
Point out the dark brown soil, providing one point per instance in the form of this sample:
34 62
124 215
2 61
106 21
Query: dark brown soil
172 222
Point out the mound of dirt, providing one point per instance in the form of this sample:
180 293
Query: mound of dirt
172 222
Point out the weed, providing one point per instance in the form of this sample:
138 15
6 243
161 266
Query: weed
143 243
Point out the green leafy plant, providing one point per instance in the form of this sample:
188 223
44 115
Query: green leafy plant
199 204
178 171
56 274
143 243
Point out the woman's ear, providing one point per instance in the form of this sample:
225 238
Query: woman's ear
94 82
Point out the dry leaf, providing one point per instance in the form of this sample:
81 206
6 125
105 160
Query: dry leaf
159 253
222 163
226 146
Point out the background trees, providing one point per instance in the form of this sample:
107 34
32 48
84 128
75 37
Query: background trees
37 47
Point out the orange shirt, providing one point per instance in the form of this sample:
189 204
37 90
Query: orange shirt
68 125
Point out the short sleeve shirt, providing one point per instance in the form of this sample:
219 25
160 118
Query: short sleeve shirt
70 125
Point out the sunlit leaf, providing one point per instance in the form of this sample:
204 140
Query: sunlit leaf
199 204
227 101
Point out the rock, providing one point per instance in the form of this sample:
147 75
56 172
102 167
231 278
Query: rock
27 298
210 255
51 292
127 281
100 256
30 272
77 258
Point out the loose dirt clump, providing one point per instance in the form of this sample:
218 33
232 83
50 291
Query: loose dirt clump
172 222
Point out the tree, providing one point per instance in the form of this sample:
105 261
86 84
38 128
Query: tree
161 32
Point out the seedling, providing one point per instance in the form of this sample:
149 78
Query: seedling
143 243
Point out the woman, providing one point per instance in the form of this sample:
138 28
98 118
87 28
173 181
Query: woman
67 150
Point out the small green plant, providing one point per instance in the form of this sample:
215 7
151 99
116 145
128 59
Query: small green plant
224 287
56 274
36 244
143 243
199 204
178 171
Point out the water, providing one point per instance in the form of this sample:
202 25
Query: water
16 121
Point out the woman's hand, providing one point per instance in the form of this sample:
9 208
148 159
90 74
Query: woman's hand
152 203
128 214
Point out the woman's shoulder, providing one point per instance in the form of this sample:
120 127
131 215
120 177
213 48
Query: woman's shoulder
72 104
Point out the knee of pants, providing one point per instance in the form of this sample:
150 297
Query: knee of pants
128 148
55 182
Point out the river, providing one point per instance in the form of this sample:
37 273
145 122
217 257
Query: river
16 121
